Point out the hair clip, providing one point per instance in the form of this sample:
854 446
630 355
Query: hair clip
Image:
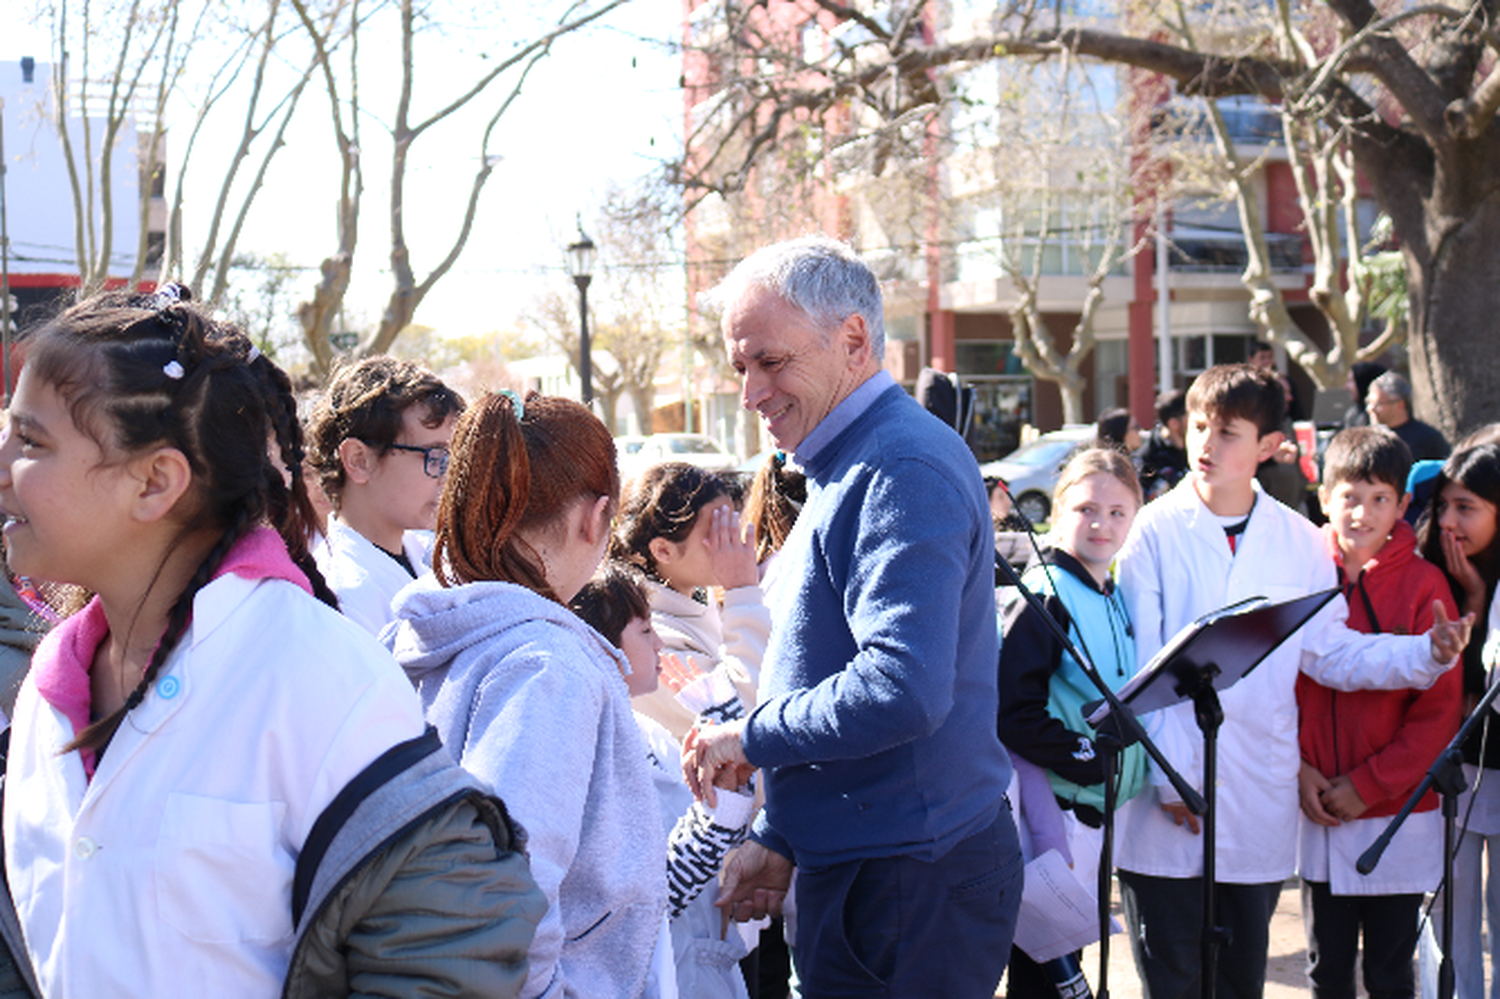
170 294
517 405
173 369
254 353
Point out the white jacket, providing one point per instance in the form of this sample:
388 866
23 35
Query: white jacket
170 873
734 640
1176 566
364 578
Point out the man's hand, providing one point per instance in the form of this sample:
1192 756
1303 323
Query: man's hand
753 883
1310 784
1448 638
709 749
1181 815
1341 800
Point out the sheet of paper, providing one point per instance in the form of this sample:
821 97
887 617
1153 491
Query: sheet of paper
1058 912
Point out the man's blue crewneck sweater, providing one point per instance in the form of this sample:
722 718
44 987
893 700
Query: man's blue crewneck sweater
877 724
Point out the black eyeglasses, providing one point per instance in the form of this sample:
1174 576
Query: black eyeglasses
434 459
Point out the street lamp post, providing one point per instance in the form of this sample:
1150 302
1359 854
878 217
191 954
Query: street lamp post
581 266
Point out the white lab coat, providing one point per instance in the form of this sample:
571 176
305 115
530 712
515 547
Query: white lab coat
1176 566
364 578
170 872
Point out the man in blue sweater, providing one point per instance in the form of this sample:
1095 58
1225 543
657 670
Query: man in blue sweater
885 779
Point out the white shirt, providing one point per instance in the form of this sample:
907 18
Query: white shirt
1176 566
364 577
170 872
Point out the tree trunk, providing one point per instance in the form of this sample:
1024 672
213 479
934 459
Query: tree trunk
641 398
1455 299
1444 204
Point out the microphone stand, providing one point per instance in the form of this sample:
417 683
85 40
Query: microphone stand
1447 776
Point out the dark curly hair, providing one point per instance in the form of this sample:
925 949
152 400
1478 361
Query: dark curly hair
367 401
664 502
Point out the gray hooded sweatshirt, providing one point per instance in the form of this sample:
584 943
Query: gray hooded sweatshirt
530 699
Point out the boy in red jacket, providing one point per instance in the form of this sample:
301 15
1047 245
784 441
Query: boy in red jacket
1364 752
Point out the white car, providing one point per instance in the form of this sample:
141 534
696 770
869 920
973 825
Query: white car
1030 471
694 449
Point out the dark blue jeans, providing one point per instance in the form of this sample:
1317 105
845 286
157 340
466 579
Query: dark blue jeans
896 926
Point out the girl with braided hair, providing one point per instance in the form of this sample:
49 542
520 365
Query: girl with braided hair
193 800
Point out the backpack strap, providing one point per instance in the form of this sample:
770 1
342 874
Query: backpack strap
399 758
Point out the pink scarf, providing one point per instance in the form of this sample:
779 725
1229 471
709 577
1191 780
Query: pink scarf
61 666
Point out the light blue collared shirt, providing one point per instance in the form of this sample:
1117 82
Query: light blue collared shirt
845 413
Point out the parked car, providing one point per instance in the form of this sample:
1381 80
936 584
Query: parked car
636 454
1030 471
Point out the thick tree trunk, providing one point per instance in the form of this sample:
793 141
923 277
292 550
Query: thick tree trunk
1445 207
1454 341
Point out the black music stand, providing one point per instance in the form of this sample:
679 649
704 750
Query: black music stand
1209 655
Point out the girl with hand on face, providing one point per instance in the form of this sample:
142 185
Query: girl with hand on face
677 525
1460 535
527 696
184 746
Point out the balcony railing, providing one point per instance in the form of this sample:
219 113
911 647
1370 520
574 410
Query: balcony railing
1217 253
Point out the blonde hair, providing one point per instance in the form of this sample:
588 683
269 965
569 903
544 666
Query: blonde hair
1098 460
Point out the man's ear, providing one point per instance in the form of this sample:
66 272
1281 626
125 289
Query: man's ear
1401 507
358 459
854 338
159 479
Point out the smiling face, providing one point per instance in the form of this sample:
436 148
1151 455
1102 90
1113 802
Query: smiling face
793 373
1363 513
65 506
1468 517
1224 454
1092 519
642 647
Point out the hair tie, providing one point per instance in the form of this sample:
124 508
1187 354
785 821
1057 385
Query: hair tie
169 294
516 404
173 369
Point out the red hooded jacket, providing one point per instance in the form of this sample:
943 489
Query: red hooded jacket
1384 739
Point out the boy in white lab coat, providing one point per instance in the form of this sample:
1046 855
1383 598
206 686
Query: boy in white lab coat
379 442
1213 540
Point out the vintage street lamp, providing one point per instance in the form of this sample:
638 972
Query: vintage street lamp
581 265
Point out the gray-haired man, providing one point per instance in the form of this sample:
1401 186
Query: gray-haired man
876 727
